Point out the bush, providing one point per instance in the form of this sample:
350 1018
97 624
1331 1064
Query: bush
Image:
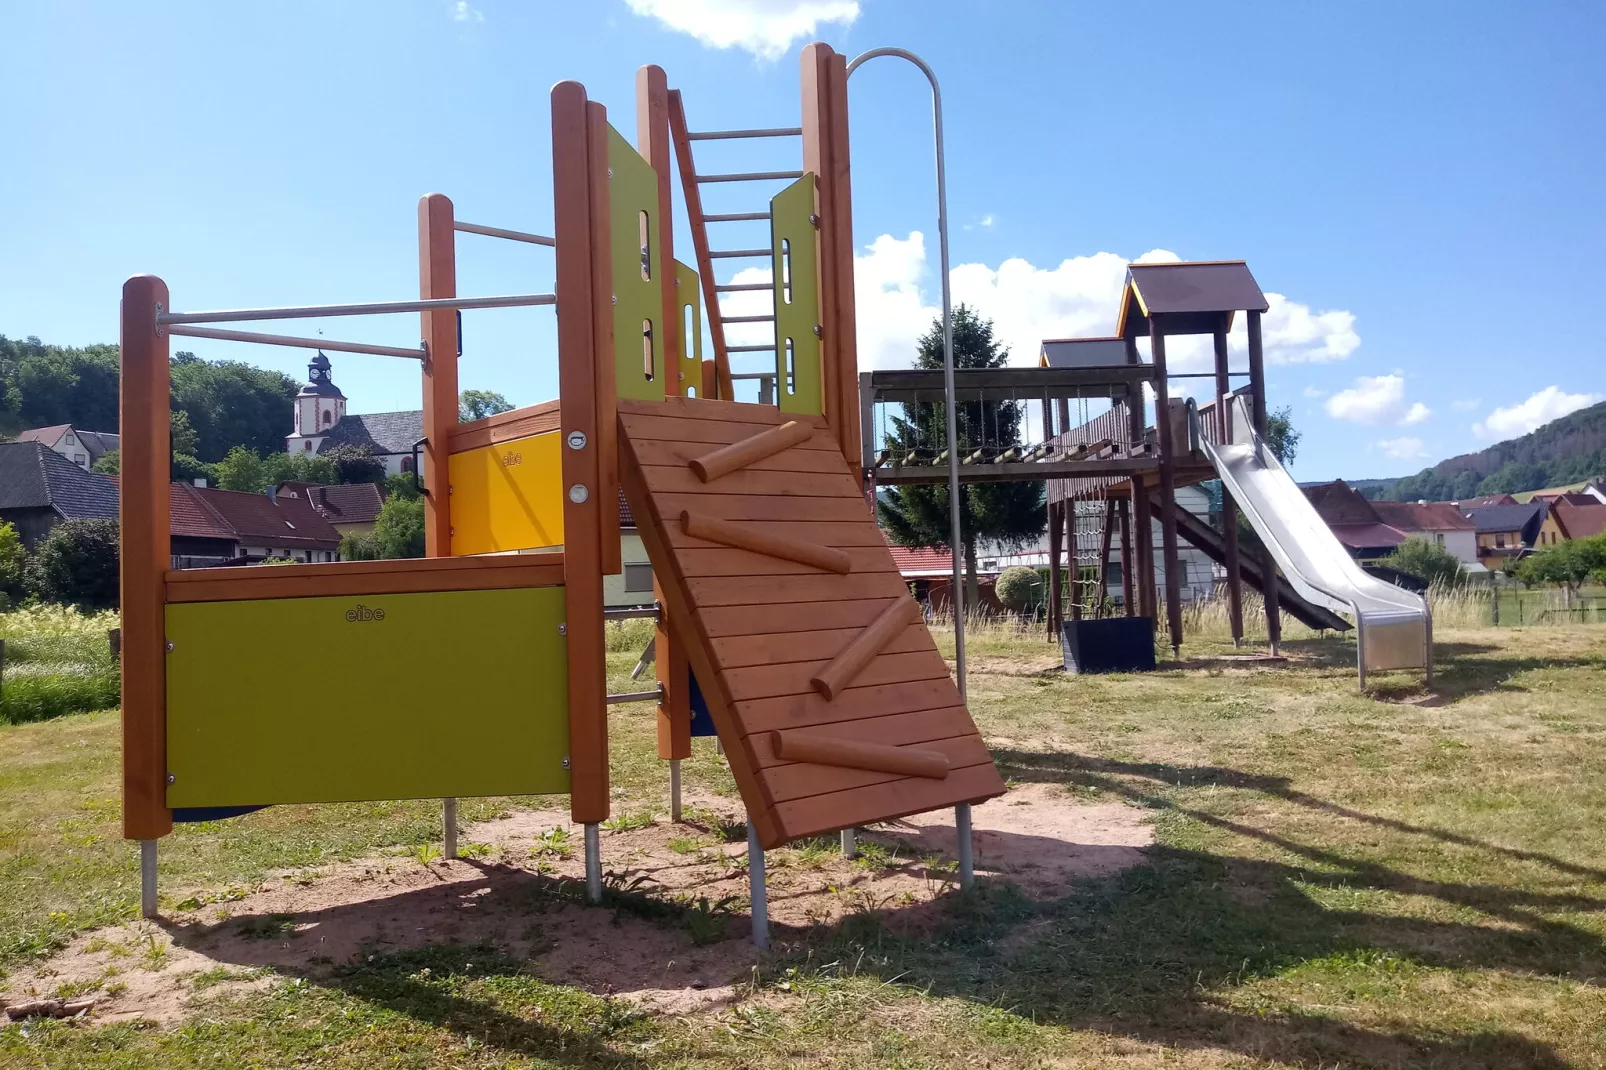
13 562
58 661
1569 563
1019 587
1428 562
76 564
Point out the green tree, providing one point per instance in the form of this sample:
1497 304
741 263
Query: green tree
76 564
109 463
13 562
1427 561
1569 564
1281 435
1019 587
1009 514
356 464
187 469
401 485
478 404
399 531
241 469
181 434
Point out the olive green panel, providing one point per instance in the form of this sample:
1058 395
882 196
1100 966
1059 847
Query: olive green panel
689 294
400 696
795 241
637 272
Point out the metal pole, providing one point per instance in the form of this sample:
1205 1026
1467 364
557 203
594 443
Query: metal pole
593 863
757 889
147 878
849 848
958 597
225 335
449 828
372 308
500 232
967 857
674 790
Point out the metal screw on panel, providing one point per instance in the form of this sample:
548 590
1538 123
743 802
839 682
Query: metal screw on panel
171 778
578 493
170 647
814 220
819 332
565 763
616 299
563 629
610 172
577 440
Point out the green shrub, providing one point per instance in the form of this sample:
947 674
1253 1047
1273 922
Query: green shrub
1427 561
1018 587
58 661
76 564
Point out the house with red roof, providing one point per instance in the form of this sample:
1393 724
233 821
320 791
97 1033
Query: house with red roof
1370 530
1569 520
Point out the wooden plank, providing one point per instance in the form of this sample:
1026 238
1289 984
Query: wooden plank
181 577
782 618
837 256
733 561
802 780
770 507
767 590
506 427
895 798
896 729
812 748
854 704
794 678
652 141
268 583
684 431
674 676
842 534
738 651
710 409
604 398
847 666
667 479
572 188
145 550
716 463
692 192
764 542
437 277
653 452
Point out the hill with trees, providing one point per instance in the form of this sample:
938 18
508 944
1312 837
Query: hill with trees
1568 450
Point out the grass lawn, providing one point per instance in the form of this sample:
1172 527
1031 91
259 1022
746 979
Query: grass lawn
1406 878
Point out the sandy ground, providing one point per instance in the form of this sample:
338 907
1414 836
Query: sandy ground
521 895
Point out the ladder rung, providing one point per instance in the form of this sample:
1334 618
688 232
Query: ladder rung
751 176
734 287
732 254
751 349
747 319
720 135
735 217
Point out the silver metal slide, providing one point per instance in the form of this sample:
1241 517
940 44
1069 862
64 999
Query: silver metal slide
1394 628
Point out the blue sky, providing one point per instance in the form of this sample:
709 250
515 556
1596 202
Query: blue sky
1419 183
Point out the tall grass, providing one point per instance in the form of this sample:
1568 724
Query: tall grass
57 662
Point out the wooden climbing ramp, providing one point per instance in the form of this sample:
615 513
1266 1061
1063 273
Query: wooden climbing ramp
833 704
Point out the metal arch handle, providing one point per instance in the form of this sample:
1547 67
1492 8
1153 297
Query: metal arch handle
418 483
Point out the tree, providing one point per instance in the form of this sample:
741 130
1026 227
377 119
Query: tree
1281 435
1570 564
1010 514
241 469
181 435
478 404
1427 561
13 562
399 531
187 469
1018 587
356 464
76 564
109 463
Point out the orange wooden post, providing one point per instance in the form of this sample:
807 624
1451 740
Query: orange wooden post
437 277
146 553
678 134
604 395
572 190
652 141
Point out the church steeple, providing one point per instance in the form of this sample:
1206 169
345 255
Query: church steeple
320 404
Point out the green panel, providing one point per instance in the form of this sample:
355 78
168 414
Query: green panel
689 294
637 271
400 696
795 241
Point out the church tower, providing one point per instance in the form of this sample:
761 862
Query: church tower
318 407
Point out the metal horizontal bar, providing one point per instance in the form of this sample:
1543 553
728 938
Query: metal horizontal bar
376 308
747 319
732 254
1023 384
1200 375
510 235
734 287
755 375
300 343
636 696
751 349
1010 471
751 176
735 217
721 135
631 612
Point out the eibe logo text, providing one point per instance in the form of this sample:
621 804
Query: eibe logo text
509 459
363 613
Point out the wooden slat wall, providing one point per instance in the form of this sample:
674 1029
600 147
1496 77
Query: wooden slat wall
758 628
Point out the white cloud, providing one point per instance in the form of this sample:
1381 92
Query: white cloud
766 28
1539 409
1314 392
463 11
1376 399
1466 404
1404 448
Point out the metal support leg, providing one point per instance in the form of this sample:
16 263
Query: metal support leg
674 790
449 828
594 863
967 857
757 889
849 848
147 878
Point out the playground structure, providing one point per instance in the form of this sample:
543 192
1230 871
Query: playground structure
778 599
1112 475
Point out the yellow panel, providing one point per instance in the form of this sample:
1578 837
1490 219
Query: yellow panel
400 696
689 295
638 261
795 241
508 496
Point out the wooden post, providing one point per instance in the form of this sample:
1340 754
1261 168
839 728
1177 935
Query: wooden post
1056 579
652 141
437 277
1105 539
674 676
1168 486
604 396
575 197
1126 557
719 384
1144 544
146 553
1257 394
1229 508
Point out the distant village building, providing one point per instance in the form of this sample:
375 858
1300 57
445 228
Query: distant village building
40 488
82 448
1373 529
322 423
1505 531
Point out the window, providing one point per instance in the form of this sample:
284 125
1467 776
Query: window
80 460
407 464
1500 541
1438 537
328 416
638 578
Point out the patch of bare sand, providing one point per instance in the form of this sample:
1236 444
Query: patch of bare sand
674 941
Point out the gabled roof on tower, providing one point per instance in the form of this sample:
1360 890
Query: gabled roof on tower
1191 297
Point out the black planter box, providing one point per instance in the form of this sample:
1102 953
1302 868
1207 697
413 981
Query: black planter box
1115 644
